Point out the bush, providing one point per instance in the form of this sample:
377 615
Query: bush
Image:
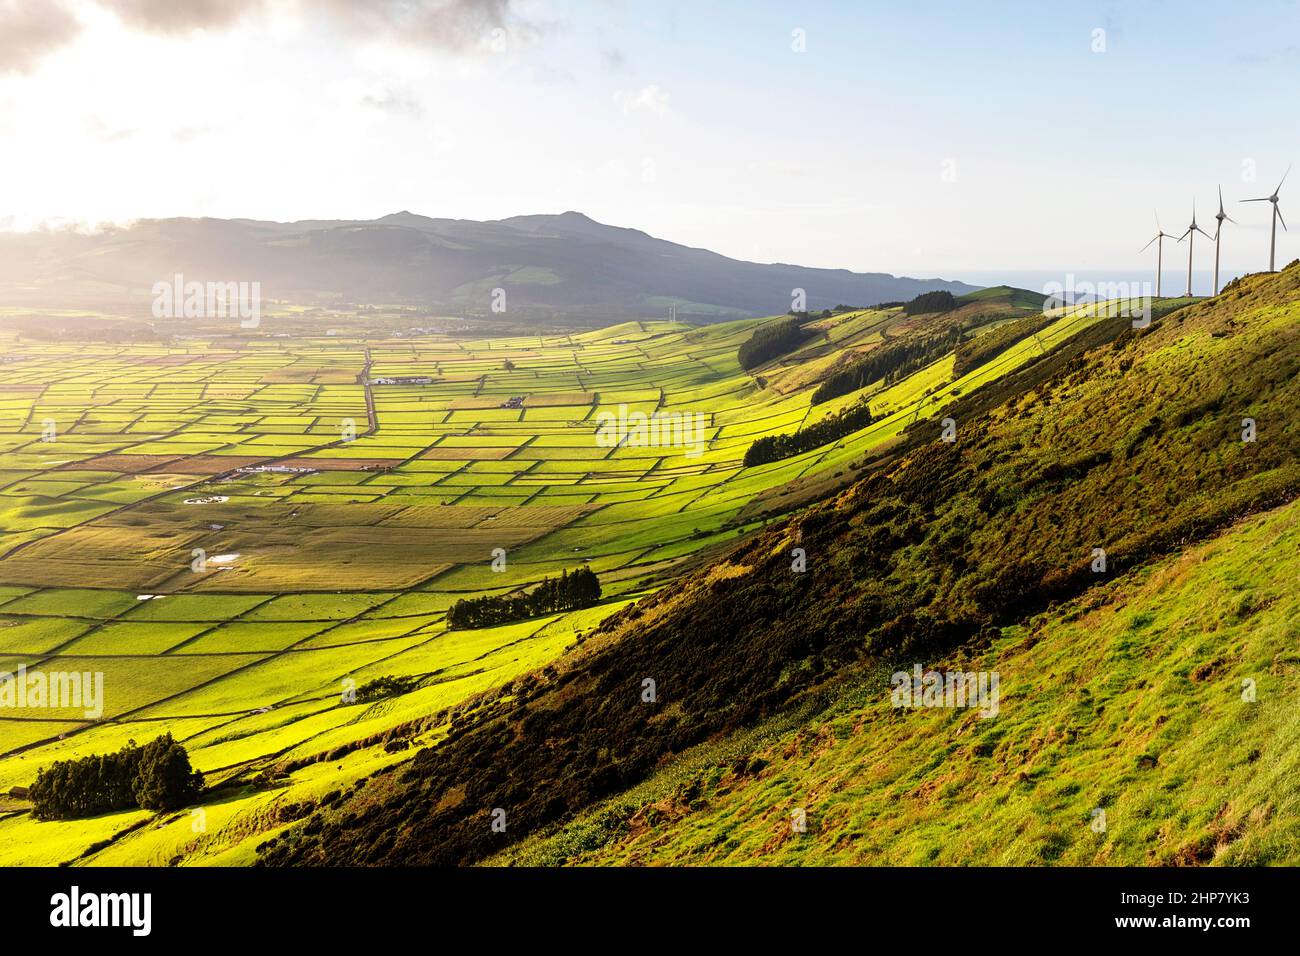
385 686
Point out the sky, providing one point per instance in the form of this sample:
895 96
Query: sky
956 139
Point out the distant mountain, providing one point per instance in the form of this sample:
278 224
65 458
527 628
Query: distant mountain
549 267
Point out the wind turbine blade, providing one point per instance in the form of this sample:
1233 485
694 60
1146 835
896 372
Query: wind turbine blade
1220 199
1148 245
1284 176
1261 199
1185 235
1159 228
1204 233
1280 219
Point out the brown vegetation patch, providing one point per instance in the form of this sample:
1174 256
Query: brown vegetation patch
206 464
123 464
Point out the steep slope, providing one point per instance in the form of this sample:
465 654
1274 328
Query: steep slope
1162 700
549 266
1125 440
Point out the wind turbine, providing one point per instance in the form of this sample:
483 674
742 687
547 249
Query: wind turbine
1190 236
1160 236
1277 214
1220 216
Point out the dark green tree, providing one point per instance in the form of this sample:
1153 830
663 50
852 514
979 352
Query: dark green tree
156 777
165 780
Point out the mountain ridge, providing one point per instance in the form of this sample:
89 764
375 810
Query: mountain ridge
547 267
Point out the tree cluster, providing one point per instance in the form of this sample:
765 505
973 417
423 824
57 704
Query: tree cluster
775 447
568 592
889 362
937 301
156 776
771 340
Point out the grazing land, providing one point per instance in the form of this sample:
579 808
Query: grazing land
238 532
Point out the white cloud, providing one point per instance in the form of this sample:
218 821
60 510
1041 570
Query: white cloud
30 30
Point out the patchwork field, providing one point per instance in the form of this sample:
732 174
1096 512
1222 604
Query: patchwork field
235 534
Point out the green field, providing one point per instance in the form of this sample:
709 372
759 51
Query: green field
234 533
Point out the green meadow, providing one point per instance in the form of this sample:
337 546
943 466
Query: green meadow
235 534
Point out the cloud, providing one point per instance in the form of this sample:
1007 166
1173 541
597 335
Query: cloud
32 29
650 99
451 25
181 16
29 31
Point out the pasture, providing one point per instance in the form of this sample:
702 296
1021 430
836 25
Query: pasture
236 532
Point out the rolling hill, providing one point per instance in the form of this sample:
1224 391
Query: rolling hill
982 549
553 267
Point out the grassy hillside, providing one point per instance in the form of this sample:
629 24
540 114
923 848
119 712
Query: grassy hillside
1124 440
1131 700
1006 294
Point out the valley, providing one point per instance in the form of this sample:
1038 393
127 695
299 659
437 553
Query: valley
256 542
233 532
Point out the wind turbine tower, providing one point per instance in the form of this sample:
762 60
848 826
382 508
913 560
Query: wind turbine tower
1277 216
1221 216
1190 236
1158 239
